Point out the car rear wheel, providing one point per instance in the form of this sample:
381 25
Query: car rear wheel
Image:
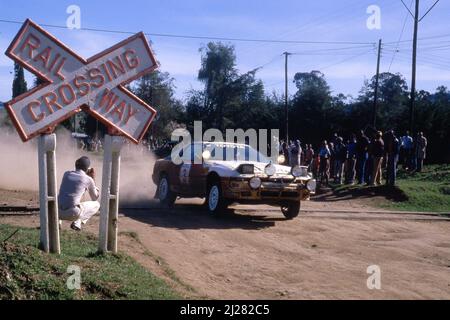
290 209
215 202
165 195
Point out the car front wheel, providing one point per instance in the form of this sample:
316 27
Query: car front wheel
215 201
290 209
165 195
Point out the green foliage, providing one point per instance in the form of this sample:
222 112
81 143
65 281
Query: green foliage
28 273
19 84
38 81
157 89
229 99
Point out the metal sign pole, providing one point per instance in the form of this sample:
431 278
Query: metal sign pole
109 207
48 200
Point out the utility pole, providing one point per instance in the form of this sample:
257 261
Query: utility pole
286 54
414 58
413 76
375 99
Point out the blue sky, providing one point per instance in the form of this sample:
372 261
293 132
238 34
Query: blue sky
345 66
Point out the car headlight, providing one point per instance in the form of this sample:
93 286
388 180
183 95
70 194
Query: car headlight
255 183
297 171
281 159
270 169
311 185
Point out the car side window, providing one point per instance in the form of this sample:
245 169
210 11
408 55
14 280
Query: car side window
190 153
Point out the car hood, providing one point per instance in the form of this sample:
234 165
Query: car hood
229 167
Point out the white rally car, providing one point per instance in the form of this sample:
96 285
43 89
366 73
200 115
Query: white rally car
224 173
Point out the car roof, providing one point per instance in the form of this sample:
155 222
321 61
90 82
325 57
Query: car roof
221 143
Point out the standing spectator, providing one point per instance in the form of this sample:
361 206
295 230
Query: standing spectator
324 169
392 148
370 161
361 147
309 155
315 166
295 151
421 150
378 153
407 151
334 139
350 164
285 153
300 152
340 151
332 160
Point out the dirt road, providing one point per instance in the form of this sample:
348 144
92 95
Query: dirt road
253 253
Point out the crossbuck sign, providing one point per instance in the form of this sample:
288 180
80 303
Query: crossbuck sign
95 85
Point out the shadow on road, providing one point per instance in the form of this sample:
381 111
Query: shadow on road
195 216
364 192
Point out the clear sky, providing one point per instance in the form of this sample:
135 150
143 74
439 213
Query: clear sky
346 66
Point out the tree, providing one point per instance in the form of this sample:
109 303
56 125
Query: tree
218 70
310 107
38 81
157 89
19 84
392 101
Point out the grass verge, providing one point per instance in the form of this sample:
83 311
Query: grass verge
28 273
428 190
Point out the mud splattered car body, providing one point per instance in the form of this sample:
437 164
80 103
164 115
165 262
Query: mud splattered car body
224 173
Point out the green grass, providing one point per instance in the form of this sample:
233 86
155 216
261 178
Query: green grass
28 273
425 191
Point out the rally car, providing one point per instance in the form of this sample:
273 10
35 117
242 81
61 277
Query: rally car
225 173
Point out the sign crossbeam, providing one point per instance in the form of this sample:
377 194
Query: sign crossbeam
95 85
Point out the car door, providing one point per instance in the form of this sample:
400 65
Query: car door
198 172
184 171
174 175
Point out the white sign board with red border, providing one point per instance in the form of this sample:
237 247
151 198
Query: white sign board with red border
95 85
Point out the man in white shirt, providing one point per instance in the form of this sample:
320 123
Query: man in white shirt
73 186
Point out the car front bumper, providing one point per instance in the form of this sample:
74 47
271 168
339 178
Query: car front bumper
270 191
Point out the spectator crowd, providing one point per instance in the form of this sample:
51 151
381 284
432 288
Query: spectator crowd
361 159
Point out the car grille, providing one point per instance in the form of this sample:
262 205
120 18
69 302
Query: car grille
270 193
278 180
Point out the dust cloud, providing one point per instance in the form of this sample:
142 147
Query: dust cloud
19 166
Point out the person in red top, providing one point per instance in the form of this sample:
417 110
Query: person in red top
309 155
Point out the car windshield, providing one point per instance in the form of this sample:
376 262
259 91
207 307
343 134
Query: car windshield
233 152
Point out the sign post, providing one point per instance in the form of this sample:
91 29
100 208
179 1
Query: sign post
109 207
71 84
48 200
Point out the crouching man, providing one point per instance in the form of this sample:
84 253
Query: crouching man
73 186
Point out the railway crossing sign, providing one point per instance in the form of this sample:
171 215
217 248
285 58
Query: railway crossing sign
72 84
95 85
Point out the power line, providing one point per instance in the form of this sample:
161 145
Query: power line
257 68
316 21
408 8
167 35
400 37
429 10
345 60
421 39
331 50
